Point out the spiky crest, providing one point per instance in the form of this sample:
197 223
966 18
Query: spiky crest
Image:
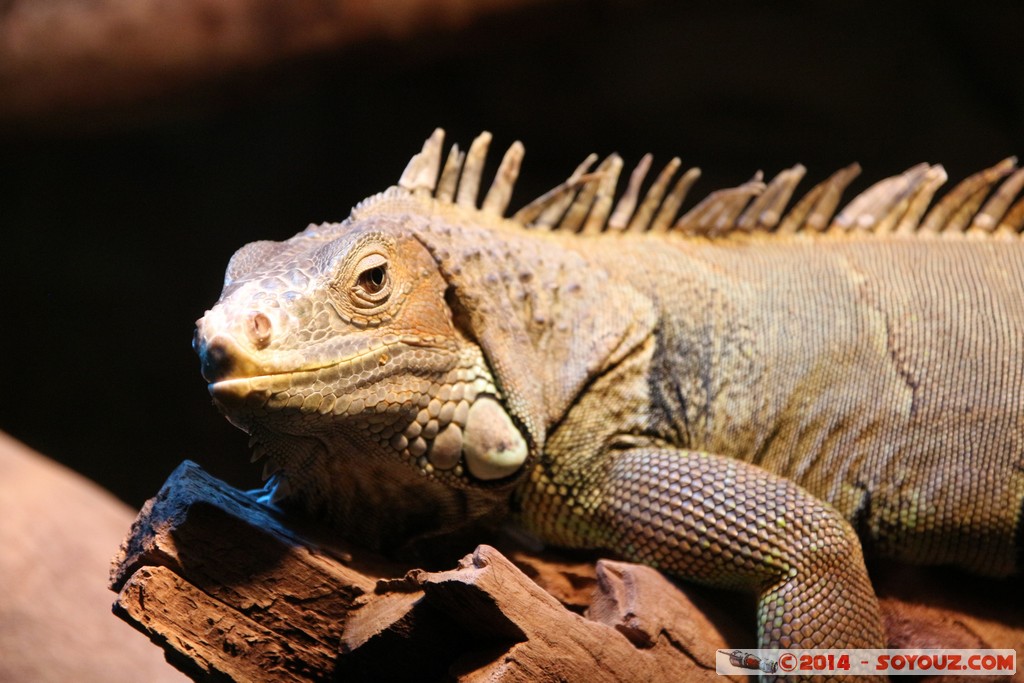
585 202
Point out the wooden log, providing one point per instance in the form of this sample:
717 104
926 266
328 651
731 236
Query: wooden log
505 627
288 595
204 636
233 591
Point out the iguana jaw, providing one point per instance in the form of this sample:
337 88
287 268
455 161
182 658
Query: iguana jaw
328 386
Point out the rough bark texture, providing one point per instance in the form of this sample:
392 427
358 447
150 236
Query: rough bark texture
230 590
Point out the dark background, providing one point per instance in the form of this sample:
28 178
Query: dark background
117 223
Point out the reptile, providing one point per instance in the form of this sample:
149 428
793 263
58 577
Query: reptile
753 394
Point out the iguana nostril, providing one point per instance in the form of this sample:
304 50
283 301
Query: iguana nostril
259 329
216 362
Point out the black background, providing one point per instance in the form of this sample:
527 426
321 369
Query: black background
116 226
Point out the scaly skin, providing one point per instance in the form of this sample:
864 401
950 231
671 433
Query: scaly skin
726 401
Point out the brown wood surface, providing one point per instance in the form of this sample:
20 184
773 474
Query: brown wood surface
227 589
233 591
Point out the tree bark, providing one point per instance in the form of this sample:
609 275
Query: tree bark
231 591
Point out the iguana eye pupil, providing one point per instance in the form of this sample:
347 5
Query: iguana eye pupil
373 279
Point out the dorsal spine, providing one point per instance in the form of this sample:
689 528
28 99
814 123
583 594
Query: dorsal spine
987 202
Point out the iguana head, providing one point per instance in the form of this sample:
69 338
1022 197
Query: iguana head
397 371
345 329
339 352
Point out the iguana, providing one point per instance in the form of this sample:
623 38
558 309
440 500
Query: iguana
731 396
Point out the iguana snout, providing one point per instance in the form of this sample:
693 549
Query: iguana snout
225 356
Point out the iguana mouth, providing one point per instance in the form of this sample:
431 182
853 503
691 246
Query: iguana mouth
264 381
223 357
262 389
240 387
353 372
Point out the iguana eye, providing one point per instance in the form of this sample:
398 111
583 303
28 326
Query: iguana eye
373 284
372 280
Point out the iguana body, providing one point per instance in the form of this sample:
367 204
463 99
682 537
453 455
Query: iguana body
684 394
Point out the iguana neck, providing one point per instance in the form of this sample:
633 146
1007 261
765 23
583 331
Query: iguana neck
548 316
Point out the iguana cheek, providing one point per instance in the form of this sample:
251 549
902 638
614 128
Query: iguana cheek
491 444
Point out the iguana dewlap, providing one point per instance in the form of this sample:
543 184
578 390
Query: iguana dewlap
726 396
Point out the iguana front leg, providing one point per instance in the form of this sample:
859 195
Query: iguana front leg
725 522
728 523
